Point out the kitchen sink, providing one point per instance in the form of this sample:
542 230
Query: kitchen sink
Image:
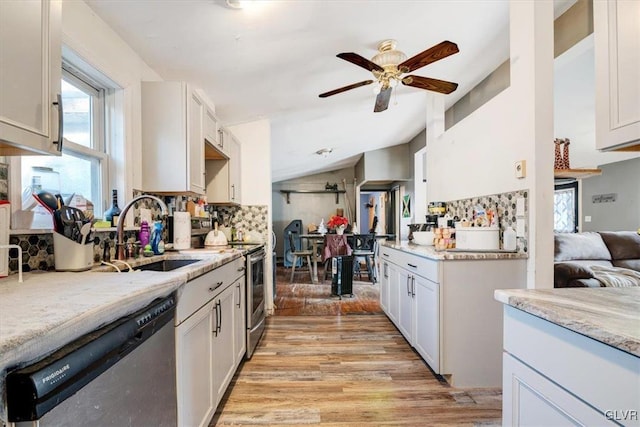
165 265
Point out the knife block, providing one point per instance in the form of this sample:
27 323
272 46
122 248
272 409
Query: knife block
70 255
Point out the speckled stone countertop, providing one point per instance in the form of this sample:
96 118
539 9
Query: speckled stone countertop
608 315
50 309
431 253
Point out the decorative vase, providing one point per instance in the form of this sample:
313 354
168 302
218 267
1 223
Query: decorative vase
558 162
340 229
565 154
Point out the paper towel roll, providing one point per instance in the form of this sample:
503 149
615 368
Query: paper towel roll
181 230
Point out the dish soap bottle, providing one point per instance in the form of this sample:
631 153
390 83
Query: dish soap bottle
156 238
145 234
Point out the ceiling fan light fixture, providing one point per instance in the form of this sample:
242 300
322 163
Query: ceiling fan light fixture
387 55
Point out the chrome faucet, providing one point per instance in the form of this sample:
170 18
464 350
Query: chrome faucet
121 221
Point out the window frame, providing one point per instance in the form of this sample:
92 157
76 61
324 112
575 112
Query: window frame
576 201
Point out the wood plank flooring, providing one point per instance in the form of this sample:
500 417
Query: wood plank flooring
346 370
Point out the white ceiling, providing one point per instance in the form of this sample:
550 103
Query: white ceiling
272 60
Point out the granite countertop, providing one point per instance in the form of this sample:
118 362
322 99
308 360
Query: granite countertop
50 309
608 315
431 253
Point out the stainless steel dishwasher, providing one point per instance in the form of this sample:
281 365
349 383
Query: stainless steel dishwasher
122 374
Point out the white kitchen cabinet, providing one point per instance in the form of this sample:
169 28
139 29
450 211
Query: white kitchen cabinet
223 175
240 320
426 334
172 138
30 70
617 62
446 311
211 128
554 376
194 370
208 349
384 287
223 342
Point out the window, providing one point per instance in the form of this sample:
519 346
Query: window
565 208
80 172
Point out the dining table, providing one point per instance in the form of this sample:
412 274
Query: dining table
317 242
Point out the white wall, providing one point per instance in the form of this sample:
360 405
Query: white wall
477 156
98 45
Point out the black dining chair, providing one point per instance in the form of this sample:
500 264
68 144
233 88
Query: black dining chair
299 253
364 248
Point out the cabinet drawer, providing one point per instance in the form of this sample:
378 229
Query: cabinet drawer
197 292
420 266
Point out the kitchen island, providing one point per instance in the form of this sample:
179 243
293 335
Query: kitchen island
50 309
442 302
571 355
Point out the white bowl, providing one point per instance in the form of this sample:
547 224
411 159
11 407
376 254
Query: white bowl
424 238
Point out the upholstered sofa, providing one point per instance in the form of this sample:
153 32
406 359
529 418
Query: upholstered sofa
591 258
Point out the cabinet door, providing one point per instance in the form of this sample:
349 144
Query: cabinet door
223 339
394 293
405 314
234 171
617 61
210 127
196 400
531 399
427 321
384 287
195 145
239 320
30 69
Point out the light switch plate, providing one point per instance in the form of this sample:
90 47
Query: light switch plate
521 169
520 227
520 206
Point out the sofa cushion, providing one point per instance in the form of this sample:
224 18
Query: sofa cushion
587 245
632 264
622 244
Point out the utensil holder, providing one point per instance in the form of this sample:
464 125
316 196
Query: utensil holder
70 255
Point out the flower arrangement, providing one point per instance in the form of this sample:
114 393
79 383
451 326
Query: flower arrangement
337 221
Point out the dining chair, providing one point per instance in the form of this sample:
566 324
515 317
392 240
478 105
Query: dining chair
364 247
299 253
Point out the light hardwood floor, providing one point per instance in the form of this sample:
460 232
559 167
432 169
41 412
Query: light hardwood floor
348 370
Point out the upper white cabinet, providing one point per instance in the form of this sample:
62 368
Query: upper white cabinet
223 175
173 140
617 60
30 67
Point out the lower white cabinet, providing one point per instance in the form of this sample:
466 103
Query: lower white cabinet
556 377
446 311
210 340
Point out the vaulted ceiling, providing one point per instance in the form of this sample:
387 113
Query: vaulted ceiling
271 60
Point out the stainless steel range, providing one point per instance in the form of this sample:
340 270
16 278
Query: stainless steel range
256 315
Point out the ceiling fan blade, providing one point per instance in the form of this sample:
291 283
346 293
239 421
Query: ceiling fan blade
433 54
345 88
427 83
360 61
382 100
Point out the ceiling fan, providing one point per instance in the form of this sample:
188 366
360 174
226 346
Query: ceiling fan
389 64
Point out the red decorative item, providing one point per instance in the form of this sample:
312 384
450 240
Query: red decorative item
337 221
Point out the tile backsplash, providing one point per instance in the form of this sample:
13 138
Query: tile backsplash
506 207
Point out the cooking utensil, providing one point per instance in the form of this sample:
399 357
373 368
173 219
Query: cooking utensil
84 232
47 200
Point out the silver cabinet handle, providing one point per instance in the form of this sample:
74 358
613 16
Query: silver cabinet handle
220 315
233 191
413 287
58 103
408 290
239 295
386 270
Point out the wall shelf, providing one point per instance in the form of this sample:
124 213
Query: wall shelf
336 192
576 173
